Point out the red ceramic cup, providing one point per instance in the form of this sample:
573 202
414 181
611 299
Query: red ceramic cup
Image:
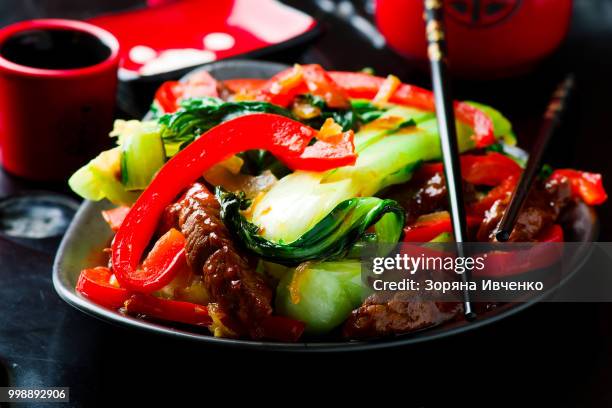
58 81
486 38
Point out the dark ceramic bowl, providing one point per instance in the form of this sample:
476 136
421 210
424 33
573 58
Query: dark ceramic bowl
88 235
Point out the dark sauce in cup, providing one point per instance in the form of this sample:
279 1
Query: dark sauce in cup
54 48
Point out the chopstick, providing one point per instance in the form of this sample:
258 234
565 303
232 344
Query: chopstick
448 132
552 118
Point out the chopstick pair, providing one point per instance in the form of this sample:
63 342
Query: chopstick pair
436 38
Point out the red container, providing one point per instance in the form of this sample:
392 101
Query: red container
58 81
490 38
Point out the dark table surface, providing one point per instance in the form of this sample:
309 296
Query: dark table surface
551 355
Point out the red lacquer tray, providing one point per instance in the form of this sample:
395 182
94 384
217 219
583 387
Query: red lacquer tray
171 35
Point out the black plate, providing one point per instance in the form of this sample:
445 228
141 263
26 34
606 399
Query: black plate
88 234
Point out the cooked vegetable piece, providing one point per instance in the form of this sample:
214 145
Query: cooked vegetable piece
280 328
168 310
501 125
283 87
142 155
431 226
366 111
554 233
331 237
489 169
102 177
99 179
170 94
320 294
587 186
163 263
115 216
95 284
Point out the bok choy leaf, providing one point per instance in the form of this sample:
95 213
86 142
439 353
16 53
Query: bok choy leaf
197 116
331 237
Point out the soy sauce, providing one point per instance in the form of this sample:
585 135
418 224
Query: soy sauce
55 49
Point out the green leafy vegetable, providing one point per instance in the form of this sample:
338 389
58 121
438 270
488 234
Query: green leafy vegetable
344 117
366 111
545 172
361 112
368 70
333 236
197 116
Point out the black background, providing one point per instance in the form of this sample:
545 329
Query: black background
550 355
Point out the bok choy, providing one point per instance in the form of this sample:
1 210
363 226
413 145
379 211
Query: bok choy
115 173
333 236
320 294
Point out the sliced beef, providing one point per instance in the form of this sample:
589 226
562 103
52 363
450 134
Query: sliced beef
386 314
233 284
425 195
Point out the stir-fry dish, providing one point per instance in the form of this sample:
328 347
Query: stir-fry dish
242 205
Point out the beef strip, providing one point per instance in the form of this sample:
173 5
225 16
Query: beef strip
383 314
426 195
232 283
541 209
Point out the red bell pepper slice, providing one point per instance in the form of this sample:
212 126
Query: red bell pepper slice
168 310
164 262
554 233
490 169
430 226
115 216
361 85
171 93
287 139
94 284
282 328
588 186
500 192
320 83
502 264
283 87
